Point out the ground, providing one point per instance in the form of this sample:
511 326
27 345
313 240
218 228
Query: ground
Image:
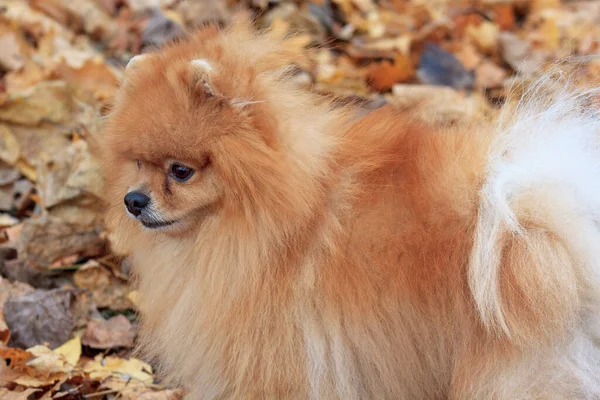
67 315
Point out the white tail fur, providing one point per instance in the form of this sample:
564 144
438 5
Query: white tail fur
542 194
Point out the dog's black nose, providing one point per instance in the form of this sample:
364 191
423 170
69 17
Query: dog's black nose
135 202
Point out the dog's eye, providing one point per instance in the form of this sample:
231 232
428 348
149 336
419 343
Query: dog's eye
139 164
181 173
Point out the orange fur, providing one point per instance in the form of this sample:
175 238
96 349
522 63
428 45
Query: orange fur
320 257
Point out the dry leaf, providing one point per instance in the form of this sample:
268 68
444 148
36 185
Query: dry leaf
485 35
7 220
489 76
124 370
48 368
519 54
7 290
107 290
67 174
94 80
41 316
70 350
439 67
384 75
44 240
6 394
160 30
105 334
11 56
469 56
9 146
46 101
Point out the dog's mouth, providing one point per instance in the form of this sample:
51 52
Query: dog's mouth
155 224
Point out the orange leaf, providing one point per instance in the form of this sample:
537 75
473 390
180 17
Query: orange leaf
384 75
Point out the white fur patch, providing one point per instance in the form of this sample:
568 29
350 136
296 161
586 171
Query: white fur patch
549 148
202 64
135 60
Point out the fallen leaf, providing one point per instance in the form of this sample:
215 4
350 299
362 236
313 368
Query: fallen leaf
41 316
8 289
133 297
70 350
9 146
198 13
489 75
439 67
485 35
519 54
8 174
105 334
7 220
505 16
549 33
44 240
6 394
469 56
49 101
384 75
11 57
67 174
94 80
160 30
124 370
48 367
107 290
94 20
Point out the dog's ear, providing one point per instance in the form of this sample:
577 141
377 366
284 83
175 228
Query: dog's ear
197 79
201 78
135 61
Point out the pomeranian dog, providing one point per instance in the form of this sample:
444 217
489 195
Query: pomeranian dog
283 249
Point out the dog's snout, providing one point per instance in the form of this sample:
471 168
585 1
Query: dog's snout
135 202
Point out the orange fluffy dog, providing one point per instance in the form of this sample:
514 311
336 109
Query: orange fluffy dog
284 250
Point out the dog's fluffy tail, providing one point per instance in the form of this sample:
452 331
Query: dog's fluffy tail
536 258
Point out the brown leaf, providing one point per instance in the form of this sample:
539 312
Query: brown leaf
385 75
469 56
11 56
107 290
489 76
106 334
505 16
160 29
41 316
519 54
94 20
9 146
64 175
485 35
8 289
6 394
44 240
94 80
197 13
48 101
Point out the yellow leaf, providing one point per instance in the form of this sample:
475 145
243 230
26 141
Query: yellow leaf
49 367
133 297
9 146
26 169
102 368
71 350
